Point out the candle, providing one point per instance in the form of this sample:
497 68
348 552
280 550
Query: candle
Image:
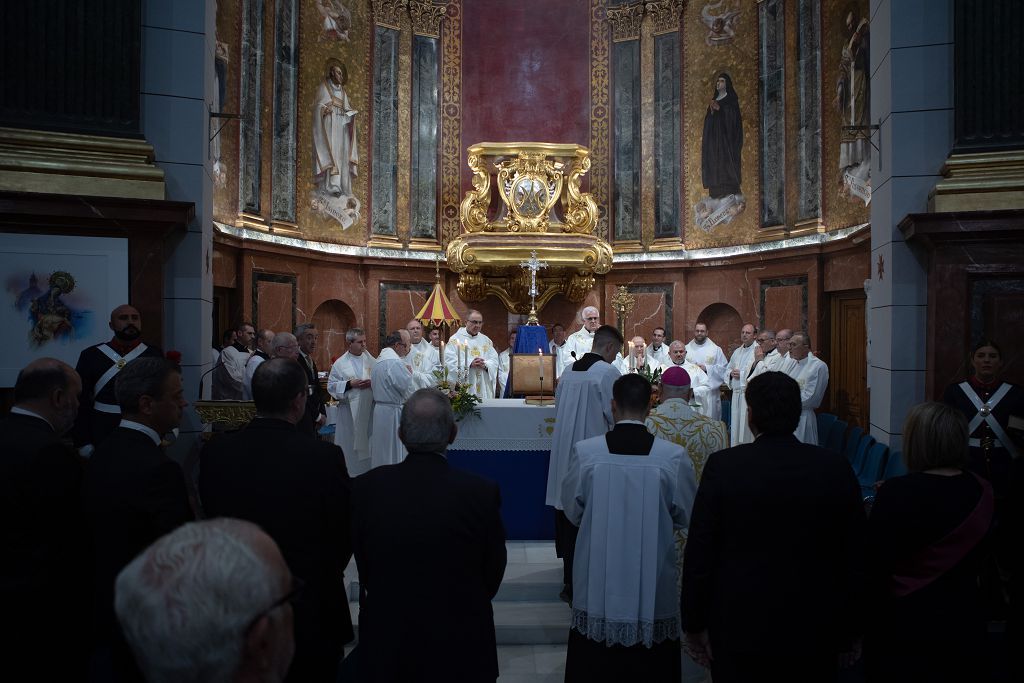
540 365
632 358
443 363
458 357
465 349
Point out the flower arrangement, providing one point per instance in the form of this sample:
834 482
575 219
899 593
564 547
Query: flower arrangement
652 375
463 401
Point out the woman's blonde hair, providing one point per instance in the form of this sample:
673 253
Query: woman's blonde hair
935 435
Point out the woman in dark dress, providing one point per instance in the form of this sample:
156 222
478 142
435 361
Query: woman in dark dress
927 540
720 165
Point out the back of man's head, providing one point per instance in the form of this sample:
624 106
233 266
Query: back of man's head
427 423
632 395
144 376
200 602
773 403
39 379
275 384
604 335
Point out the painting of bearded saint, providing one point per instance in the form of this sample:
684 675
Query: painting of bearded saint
721 167
854 107
335 156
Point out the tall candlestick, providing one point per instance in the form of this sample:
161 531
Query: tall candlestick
540 366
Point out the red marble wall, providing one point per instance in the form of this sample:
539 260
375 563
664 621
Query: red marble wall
275 306
525 73
783 307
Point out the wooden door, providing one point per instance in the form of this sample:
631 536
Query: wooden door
847 361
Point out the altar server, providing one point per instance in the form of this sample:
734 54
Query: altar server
391 381
625 623
349 383
583 408
708 356
738 371
812 375
470 346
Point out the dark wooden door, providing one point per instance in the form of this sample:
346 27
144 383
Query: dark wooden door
848 385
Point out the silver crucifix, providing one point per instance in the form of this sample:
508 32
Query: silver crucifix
533 265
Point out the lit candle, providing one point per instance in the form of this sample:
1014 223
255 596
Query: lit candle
458 357
632 358
443 364
540 365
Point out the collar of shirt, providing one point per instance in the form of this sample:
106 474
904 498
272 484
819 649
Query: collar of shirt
630 422
22 411
139 427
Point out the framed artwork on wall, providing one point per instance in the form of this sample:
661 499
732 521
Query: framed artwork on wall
58 291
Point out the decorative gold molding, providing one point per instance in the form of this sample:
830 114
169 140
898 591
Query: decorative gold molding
600 108
580 207
473 210
665 15
426 17
388 13
625 21
451 118
67 163
232 413
771 234
980 181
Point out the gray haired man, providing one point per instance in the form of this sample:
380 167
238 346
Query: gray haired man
349 383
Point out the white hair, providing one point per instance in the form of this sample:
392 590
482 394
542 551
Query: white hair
186 602
352 333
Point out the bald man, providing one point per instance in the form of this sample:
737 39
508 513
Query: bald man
477 351
40 490
581 341
98 365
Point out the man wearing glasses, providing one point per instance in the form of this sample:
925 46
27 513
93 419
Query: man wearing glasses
471 349
581 341
162 600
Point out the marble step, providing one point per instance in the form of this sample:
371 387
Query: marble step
519 622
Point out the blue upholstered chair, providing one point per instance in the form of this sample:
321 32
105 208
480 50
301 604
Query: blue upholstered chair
872 469
825 422
894 466
834 442
852 445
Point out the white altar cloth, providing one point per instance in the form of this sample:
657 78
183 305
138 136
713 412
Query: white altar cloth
506 424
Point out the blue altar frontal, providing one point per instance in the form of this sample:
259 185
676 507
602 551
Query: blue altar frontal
510 443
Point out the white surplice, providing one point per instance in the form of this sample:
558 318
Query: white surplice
769 363
391 382
250 370
625 570
742 359
710 355
481 380
423 357
583 408
504 360
811 374
355 409
658 357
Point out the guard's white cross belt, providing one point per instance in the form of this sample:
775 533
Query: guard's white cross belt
985 414
119 362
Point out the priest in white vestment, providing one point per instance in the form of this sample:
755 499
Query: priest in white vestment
423 356
699 382
657 350
470 345
583 408
738 371
392 382
580 342
782 342
708 356
628 491
505 363
811 373
556 345
635 348
349 382
766 355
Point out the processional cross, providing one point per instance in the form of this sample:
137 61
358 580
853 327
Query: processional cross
533 265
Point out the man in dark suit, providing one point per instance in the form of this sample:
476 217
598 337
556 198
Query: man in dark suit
134 494
316 413
40 503
297 489
430 548
772 572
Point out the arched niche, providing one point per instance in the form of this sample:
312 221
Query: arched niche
724 323
332 318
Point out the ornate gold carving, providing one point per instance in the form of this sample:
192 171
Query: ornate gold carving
474 207
66 163
577 287
580 207
529 185
625 21
980 181
600 130
471 286
388 12
232 413
426 17
451 117
665 15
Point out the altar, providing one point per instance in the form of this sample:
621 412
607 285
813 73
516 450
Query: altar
510 442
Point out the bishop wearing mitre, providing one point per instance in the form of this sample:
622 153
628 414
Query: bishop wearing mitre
469 346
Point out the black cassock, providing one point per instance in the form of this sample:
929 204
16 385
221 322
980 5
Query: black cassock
720 165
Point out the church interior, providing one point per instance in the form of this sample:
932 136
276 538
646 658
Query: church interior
851 169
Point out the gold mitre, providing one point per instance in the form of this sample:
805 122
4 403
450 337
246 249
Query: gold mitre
541 210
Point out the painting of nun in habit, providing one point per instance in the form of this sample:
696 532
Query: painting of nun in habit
335 155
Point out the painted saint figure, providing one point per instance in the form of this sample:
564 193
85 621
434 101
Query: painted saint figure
335 156
854 107
720 166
